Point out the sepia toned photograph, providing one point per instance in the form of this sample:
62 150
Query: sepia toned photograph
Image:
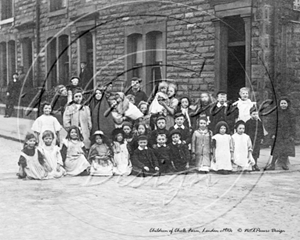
149 119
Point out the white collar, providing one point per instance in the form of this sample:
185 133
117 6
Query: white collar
176 126
179 142
219 104
163 145
142 149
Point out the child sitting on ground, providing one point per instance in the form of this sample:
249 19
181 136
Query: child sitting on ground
100 156
52 155
144 160
32 163
73 153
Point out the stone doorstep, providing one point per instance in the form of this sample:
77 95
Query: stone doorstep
21 112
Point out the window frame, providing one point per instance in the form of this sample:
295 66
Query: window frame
56 12
144 30
9 19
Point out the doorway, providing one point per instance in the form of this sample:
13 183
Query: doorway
235 71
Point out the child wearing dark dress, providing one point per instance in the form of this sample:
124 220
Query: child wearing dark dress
254 128
144 160
179 153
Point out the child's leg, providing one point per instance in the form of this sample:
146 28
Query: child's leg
284 161
272 165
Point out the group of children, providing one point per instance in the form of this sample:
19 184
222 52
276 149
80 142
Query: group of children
167 136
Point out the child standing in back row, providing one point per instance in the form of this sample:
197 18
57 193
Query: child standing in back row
46 122
244 104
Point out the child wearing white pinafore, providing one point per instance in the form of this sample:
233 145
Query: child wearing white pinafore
121 154
32 163
100 156
46 122
222 145
244 104
52 156
243 159
73 153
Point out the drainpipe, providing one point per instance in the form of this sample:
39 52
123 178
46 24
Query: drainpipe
37 28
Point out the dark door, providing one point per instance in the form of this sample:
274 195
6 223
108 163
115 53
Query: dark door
236 71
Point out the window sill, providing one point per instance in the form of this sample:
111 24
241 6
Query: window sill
57 12
5 21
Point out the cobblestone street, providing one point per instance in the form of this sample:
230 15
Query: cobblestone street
169 207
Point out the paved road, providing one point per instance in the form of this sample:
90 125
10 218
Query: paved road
169 207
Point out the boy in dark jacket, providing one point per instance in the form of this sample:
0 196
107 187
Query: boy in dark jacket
179 153
144 160
160 129
184 131
223 111
162 152
254 128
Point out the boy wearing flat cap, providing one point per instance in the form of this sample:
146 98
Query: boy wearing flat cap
143 159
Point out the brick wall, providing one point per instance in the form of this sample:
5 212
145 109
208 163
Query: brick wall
189 40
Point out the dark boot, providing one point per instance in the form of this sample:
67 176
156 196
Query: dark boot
272 165
284 162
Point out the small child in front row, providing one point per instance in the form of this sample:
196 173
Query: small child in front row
73 153
201 146
100 156
162 152
255 130
31 163
222 146
144 160
179 152
242 145
121 154
52 155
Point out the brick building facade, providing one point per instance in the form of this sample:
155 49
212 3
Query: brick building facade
202 45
